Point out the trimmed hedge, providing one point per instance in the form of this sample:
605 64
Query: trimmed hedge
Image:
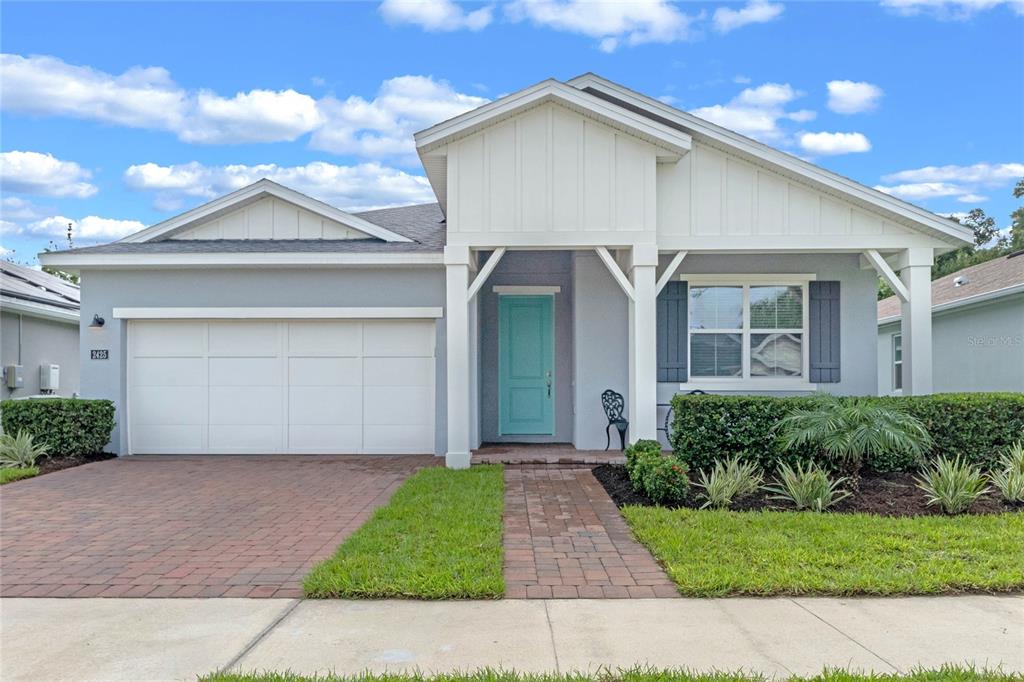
977 427
661 476
69 426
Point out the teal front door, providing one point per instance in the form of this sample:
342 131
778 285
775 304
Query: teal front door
526 371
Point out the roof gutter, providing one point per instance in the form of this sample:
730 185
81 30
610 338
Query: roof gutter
114 261
22 307
964 302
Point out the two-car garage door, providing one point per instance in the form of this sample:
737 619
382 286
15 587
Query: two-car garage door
281 386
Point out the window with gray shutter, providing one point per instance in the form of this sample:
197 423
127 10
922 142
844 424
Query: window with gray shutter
824 332
673 352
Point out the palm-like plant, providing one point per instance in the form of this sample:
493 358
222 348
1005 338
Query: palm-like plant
1009 476
852 430
728 481
953 484
807 488
20 452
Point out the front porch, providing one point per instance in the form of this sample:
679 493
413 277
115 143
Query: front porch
558 454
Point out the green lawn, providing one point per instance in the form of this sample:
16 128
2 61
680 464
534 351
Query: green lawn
11 475
438 538
717 553
945 674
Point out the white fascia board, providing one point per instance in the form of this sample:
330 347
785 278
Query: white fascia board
837 183
254 191
304 313
986 297
40 310
674 141
77 262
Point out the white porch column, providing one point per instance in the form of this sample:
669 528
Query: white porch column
456 261
915 267
643 345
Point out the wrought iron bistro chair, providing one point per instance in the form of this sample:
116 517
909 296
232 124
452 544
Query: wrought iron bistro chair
614 404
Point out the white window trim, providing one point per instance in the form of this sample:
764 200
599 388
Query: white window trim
748 383
892 368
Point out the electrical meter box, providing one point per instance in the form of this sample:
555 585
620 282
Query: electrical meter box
13 376
49 377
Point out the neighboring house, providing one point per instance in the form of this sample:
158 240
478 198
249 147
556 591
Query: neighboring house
38 329
977 330
585 237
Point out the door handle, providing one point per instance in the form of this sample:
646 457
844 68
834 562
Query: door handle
548 376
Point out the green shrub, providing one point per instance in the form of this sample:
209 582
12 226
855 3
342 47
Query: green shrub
665 479
952 483
67 426
1008 476
851 430
637 449
19 452
707 428
727 481
807 487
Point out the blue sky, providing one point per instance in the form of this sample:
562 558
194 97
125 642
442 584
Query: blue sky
116 116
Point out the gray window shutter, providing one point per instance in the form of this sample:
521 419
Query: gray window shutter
673 351
824 328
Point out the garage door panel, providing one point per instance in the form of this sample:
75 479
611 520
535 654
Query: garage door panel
406 439
398 371
245 371
399 338
325 405
245 339
164 438
168 339
248 438
240 405
324 371
169 372
327 338
325 438
169 405
398 405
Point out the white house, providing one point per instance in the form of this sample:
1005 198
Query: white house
977 330
585 237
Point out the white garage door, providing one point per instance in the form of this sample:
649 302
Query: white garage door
317 386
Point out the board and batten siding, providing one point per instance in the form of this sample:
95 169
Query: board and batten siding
270 218
551 170
710 193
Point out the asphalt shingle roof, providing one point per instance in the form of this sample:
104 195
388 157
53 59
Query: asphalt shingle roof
983 278
26 284
422 223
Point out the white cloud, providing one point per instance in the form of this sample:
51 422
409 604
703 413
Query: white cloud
43 174
9 227
147 97
828 144
962 182
611 23
362 186
852 97
956 10
16 208
726 19
802 116
670 100
384 125
435 15
89 229
756 112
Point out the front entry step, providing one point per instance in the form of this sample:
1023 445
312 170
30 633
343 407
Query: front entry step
559 454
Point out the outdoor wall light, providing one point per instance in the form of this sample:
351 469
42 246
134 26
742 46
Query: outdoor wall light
97 322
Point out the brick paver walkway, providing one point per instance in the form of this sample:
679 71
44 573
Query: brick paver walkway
187 526
564 538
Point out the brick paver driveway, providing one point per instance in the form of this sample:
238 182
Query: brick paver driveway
174 526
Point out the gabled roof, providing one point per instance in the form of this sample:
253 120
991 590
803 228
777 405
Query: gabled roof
254 192
986 281
898 210
672 142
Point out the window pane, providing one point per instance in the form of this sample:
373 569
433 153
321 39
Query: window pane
776 355
897 348
716 355
776 307
716 307
897 376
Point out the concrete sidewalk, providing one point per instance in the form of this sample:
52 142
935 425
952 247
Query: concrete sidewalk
178 639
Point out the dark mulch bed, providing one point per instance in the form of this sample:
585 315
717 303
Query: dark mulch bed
48 465
893 494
